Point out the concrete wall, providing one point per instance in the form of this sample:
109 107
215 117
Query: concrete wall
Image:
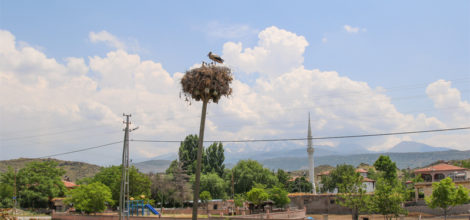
461 209
318 204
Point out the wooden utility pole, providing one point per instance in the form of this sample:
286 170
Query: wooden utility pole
199 159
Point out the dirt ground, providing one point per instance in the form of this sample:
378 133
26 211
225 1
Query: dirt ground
380 217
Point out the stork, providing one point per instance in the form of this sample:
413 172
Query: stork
214 57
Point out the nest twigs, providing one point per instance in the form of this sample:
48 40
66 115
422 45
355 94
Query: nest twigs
207 83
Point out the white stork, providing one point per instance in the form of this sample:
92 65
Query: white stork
216 58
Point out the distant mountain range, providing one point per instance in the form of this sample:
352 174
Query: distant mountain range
405 154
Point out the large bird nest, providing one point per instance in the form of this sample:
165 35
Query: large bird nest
208 82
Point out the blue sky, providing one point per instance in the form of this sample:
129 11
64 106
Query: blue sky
402 46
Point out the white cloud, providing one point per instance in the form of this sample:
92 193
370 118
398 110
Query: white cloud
278 51
324 40
107 38
354 30
450 102
95 91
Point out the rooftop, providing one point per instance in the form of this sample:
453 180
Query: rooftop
440 167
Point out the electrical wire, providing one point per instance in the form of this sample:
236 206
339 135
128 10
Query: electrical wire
80 150
313 138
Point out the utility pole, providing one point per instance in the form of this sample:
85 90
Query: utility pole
124 194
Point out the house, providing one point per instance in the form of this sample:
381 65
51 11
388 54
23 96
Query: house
437 172
59 201
369 184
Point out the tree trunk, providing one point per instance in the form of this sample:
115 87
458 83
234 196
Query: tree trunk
445 214
355 214
199 159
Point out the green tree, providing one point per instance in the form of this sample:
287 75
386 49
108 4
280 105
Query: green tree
239 200
205 197
213 160
351 189
257 196
90 198
339 176
187 154
139 183
445 195
248 172
283 178
300 185
279 196
212 183
173 166
387 167
7 182
38 183
388 198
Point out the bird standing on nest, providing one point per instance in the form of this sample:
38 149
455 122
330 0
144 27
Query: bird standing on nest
214 57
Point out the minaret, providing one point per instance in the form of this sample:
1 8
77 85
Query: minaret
310 150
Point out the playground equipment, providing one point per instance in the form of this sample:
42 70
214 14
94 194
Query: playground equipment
135 205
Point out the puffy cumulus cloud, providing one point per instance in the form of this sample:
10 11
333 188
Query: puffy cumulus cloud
278 51
95 91
107 38
449 101
73 94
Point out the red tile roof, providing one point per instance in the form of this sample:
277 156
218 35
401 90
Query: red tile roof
367 180
439 167
69 184
360 170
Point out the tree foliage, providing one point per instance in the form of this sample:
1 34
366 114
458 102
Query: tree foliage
341 176
283 178
445 195
388 198
38 183
248 172
7 188
90 198
212 183
279 196
300 184
351 189
187 154
139 183
257 196
387 167
213 159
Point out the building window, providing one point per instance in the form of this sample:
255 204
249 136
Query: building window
438 176
215 206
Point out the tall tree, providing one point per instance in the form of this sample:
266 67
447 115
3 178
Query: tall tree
351 189
300 185
339 176
38 183
279 196
388 198
387 167
214 159
445 195
187 154
257 196
283 178
212 183
90 198
248 172
139 183
7 182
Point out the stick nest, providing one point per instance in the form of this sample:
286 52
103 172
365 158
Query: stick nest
208 82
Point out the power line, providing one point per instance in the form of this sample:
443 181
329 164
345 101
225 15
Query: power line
80 150
268 140
314 138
